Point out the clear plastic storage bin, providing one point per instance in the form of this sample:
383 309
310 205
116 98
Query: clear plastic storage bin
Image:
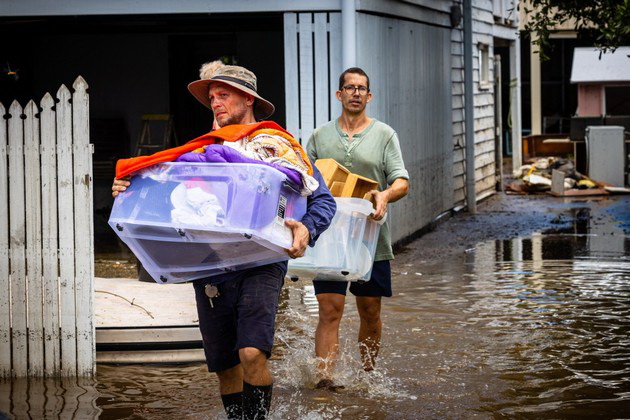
185 221
345 251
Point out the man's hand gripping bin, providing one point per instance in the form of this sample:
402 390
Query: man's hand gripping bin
186 221
345 251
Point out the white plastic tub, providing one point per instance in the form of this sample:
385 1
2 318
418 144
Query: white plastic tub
185 221
346 250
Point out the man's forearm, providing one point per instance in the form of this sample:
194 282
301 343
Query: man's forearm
398 189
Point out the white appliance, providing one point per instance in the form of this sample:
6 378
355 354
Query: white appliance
605 154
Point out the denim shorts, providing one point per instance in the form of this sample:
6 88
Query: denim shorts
242 315
380 283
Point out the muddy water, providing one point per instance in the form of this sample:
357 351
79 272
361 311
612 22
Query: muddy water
534 327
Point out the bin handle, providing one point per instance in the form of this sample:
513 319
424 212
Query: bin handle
380 222
291 186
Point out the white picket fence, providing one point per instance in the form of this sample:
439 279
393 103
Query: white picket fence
46 237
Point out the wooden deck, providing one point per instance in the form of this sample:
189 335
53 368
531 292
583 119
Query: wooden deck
140 322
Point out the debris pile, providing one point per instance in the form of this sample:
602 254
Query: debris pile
536 177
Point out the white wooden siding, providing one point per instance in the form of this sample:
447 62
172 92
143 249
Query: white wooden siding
410 76
312 65
504 11
483 24
410 72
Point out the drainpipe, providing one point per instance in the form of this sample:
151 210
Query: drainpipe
515 102
348 33
469 122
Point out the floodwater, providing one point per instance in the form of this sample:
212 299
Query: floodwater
535 327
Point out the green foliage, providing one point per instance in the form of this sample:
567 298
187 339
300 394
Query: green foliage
606 22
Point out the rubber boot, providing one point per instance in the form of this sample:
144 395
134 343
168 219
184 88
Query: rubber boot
256 401
233 405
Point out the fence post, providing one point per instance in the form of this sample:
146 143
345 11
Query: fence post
5 314
65 193
32 188
50 269
17 242
84 253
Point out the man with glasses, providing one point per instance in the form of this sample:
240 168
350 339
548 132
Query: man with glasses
370 148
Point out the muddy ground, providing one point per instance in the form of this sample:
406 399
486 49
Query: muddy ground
504 216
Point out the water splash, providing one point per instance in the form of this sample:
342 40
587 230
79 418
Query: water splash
295 369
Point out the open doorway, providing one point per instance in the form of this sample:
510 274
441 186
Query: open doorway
255 42
503 131
136 65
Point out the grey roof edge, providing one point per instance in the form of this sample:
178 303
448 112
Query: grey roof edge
429 10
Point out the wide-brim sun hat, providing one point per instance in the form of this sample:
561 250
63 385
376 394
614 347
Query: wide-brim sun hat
236 76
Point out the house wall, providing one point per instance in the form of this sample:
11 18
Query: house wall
483 21
409 68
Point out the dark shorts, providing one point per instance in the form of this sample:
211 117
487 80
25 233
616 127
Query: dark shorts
380 283
244 314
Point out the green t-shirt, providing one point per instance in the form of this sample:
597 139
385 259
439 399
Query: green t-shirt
373 153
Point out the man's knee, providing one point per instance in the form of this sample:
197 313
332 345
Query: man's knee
330 308
369 309
252 357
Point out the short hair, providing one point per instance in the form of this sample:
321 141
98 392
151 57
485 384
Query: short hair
354 70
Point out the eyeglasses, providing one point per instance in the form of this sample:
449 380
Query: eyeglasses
350 89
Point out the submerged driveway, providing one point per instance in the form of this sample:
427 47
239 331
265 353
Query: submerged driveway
521 310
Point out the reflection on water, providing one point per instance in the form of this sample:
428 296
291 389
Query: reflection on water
49 399
157 392
536 328
562 324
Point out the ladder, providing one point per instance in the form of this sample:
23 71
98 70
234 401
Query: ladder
145 143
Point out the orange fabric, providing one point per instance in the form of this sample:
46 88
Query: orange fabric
233 132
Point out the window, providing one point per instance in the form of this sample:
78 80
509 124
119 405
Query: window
484 66
617 100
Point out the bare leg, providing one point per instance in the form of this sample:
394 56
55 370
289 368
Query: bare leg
250 380
370 330
231 389
331 307
231 380
255 368
257 383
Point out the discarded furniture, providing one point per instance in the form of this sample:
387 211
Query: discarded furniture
538 145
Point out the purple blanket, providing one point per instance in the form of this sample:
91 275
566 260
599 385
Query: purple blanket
220 153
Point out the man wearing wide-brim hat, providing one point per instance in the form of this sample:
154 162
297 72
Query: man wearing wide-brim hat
235 76
237 324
